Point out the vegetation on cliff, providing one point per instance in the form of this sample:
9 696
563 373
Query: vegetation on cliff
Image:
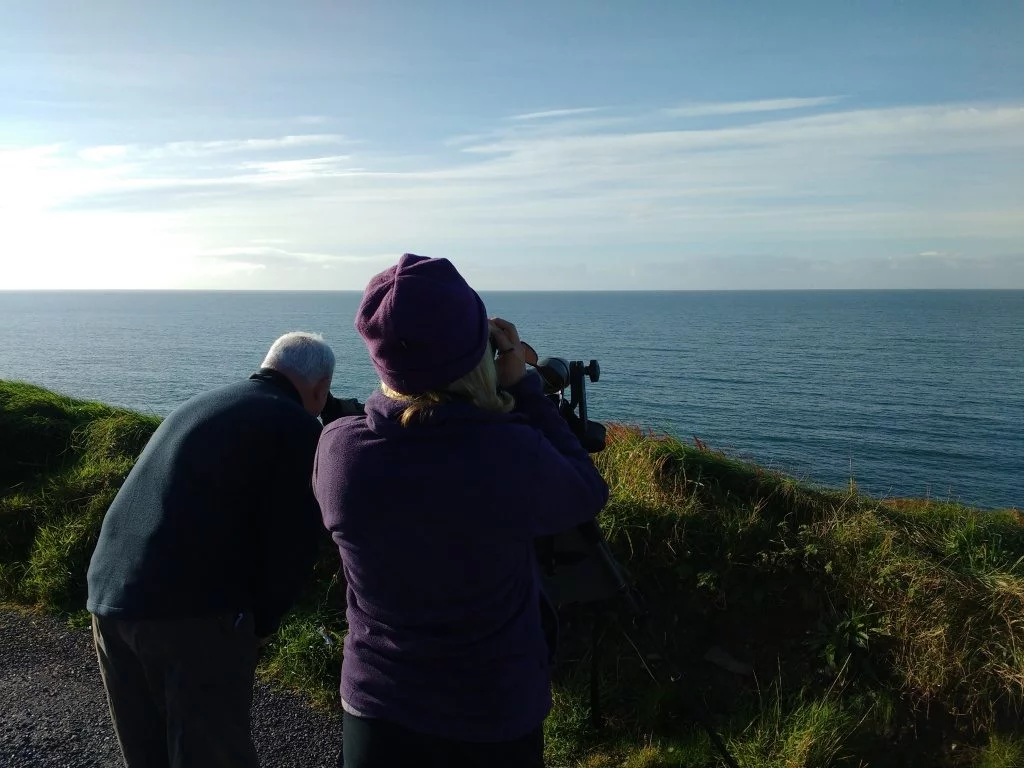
818 628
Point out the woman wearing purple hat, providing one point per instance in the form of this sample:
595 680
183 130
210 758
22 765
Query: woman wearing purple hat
433 500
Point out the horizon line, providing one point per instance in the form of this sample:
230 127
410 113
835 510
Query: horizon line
515 290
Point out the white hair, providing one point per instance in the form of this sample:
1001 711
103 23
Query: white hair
302 354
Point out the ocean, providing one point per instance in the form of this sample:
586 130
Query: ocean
910 393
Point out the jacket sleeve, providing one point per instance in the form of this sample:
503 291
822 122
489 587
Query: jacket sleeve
336 407
567 489
288 529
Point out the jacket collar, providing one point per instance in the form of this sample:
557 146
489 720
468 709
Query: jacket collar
279 380
382 414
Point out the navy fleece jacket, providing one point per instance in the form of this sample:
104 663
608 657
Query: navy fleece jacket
218 512
435 524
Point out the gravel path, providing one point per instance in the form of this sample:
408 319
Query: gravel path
53 711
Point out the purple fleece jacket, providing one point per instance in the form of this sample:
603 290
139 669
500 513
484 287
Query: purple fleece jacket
435 525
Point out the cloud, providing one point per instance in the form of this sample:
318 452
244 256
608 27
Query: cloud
193 149
298 169
840 170
932 180
264 255
14 160
943 129
550 113
199 148
104 154
748 107
777 271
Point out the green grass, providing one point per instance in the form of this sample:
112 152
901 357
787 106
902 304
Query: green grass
61 463
880 633
1001 752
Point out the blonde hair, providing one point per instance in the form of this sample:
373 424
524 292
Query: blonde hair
479 387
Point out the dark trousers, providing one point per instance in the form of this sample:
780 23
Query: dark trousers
180 690
369 743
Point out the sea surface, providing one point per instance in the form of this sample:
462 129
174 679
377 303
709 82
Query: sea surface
911 393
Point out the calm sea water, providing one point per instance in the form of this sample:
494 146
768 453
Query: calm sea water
910 392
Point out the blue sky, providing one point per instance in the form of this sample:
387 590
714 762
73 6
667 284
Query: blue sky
681 145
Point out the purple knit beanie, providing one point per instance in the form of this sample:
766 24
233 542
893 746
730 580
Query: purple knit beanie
423 325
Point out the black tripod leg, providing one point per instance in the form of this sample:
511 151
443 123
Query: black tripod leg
694 712
595 670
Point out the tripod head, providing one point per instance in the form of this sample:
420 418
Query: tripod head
558 374
576 565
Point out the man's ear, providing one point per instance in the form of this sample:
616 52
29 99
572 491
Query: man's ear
321 388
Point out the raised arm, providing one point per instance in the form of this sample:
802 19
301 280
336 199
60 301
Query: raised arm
288 528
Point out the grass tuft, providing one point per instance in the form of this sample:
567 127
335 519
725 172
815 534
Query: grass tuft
61 464
1001 752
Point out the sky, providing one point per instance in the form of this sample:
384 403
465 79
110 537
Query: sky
649 144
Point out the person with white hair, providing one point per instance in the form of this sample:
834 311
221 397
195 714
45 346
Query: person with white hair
204 549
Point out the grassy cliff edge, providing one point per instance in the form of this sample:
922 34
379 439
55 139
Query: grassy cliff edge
817 627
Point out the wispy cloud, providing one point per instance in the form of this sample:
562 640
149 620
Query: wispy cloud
186 149
197 148
932 177
104 154
772 270
304 168
17 158
712 109
259 253
826 163
550 113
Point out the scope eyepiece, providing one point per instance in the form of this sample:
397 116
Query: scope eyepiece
554 371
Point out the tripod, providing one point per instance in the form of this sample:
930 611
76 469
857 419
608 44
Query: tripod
577 566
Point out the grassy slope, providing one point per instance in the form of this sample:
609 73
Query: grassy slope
879 633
